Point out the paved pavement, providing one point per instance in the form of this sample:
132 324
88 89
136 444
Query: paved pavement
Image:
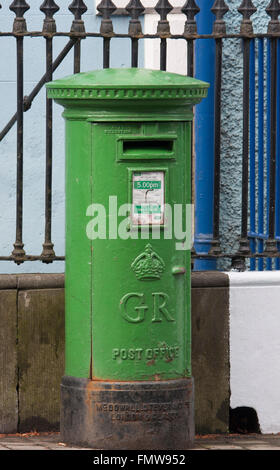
52 441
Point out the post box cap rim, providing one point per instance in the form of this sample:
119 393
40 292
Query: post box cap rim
128 78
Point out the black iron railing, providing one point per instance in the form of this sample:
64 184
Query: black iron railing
253 244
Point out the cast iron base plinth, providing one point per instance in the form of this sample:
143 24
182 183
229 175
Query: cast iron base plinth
127 415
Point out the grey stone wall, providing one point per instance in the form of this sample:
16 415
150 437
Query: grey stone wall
31 351
210 351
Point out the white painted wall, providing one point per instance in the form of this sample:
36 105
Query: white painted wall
255 345
176 48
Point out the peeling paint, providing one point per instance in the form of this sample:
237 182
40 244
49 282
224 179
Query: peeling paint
27 299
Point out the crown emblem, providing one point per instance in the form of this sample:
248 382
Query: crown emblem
148 265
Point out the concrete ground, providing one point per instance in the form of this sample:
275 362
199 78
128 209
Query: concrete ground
52 441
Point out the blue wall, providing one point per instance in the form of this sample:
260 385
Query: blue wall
204 137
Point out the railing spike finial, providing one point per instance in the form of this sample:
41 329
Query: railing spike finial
219 9
106 8
135 9
49 8
19 7
163 7
190 9
78 8
247 9
273 10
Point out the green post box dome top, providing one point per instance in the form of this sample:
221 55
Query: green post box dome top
127 84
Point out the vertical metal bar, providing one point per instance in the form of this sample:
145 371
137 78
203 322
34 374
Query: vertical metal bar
163 7
245 149
219 9
77 8
19 27
261 150
163 54
246 9
271 243
49 8
215 248
190 57
135 9
190 9
252 127
277 199
273 45
273 29
106 8
190 73
268 143
48 251
134 52
77 56
18 245
106 53
244 244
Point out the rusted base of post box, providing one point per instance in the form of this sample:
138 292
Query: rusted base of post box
102 415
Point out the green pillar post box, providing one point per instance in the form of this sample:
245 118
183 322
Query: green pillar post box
128 382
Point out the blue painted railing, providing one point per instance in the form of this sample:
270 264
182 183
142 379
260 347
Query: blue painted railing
260 123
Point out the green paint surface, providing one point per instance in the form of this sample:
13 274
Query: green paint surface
132 78
140 326
128 311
